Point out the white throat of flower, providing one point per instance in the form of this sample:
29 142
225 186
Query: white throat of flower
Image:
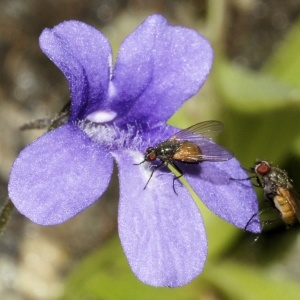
112 137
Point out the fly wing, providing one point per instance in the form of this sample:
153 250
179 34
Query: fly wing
201 135
210 152
208 129
292 196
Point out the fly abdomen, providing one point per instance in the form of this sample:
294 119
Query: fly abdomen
284 203
188 152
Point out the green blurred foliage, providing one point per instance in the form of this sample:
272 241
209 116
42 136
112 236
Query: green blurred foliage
260 112
284 64
237 281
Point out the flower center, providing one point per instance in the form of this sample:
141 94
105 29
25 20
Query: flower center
111 136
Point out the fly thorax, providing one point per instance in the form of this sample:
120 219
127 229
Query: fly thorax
166 150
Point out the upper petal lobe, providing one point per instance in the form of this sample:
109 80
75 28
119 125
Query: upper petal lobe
158 68
84 55
59 175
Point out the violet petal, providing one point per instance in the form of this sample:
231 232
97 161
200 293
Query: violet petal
232 200
162 234
158 68
84 55
59 175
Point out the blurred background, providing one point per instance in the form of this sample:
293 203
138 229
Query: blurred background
254 88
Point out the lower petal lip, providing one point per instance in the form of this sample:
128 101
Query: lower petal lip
163 238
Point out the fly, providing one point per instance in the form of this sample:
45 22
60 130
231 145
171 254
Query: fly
192 145
278 191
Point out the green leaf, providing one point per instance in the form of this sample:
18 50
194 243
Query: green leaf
284 64
217 243
252 92
260 113
237 281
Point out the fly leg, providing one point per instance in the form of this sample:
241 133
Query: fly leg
254 215
176 177
257 184
269 197
152 172
263 223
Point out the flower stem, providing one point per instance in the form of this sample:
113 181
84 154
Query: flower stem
217 22
5 213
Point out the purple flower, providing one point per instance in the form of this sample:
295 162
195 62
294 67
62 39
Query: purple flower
116 114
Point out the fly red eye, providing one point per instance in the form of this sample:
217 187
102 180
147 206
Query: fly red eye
150 154
262 168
